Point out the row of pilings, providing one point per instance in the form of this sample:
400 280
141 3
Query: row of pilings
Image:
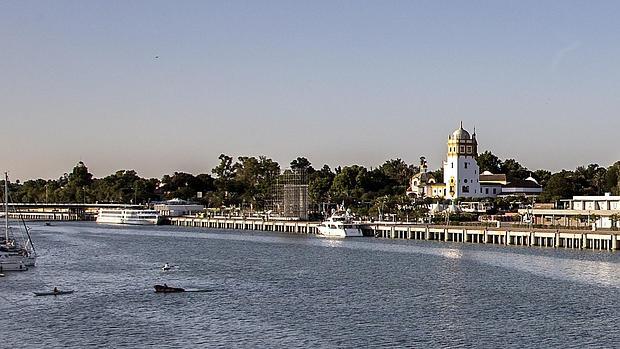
597 240
571 239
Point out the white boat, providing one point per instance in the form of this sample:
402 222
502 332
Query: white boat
13 255
340 224
7 264
127 216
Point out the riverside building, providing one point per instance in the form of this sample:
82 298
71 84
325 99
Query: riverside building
462 177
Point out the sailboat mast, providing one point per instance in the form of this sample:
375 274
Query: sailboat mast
6 206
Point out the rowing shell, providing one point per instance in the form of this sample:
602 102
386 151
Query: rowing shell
52 293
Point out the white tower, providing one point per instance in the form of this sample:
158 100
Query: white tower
460 171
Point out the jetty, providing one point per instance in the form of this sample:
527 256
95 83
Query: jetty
508 236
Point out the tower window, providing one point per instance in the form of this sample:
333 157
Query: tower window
466 164
469 148
452 165
465 180
465 189
462 148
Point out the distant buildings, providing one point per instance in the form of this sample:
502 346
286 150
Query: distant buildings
603 211
177 208
462 177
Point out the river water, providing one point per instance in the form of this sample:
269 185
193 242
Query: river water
275 290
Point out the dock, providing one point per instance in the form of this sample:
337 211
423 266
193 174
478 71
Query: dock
531 237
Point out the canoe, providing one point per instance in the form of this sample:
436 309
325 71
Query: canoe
52 293
167 289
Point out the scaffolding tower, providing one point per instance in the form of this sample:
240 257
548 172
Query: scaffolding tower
289 195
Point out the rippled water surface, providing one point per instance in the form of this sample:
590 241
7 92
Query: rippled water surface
280 291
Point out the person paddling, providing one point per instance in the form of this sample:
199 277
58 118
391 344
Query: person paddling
56 290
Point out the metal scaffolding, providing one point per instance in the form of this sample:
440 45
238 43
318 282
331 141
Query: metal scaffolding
289 195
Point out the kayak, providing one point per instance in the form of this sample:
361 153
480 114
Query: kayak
52 293
167 289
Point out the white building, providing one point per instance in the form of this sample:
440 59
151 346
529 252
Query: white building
177 207
423 184
603 211
462 177
460 170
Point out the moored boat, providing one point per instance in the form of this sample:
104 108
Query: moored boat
127 216
14 255
340 224
9 264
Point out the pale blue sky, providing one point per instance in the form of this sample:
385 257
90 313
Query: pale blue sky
340 82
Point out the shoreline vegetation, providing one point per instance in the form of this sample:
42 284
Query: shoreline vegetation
246 184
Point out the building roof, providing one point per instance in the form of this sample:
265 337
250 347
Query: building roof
424 177
522 183
460 133
497 178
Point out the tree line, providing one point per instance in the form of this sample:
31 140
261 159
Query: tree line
247 182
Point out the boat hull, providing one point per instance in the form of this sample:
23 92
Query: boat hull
12 266
340 232
128 216
58 293
167 289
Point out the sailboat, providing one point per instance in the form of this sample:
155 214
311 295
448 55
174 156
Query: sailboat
14 256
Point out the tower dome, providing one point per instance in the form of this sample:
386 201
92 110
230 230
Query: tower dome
460 133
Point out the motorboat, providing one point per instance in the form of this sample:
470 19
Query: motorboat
167 289
340 224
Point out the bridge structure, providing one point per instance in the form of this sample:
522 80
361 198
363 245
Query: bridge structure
60 211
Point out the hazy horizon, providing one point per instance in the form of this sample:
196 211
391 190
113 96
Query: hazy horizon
159 86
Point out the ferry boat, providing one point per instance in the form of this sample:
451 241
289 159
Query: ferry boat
127 216
340 225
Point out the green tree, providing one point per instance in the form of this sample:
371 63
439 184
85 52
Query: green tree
542 176
225 183
513 169
612 179
489 162
560 186
319 184
302 164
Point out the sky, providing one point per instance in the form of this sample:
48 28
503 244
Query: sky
165 86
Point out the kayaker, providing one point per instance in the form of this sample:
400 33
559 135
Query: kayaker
56 290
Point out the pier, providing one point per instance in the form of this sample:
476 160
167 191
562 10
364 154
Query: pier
292 226
552 238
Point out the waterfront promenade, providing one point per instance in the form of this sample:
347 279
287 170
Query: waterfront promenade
537 237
